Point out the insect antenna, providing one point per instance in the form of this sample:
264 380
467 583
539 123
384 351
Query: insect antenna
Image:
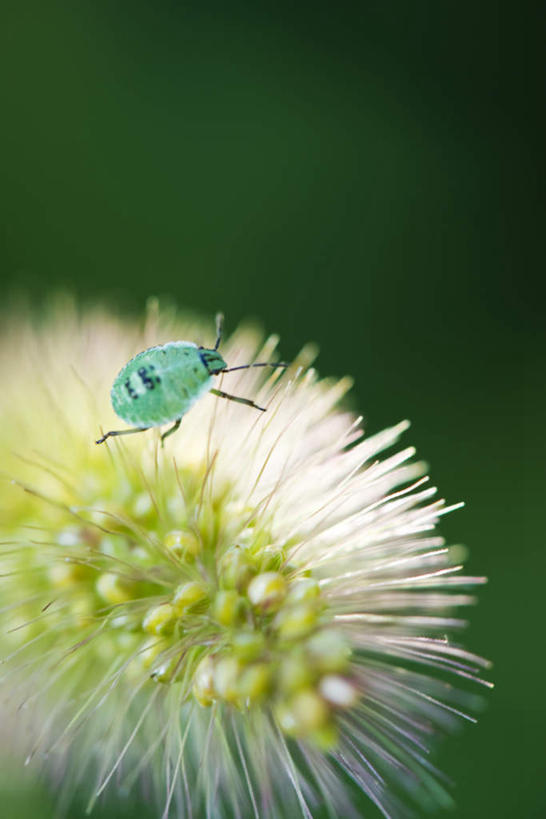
258 364
219 328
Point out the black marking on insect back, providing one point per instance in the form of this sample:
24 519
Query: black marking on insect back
132 392
148 382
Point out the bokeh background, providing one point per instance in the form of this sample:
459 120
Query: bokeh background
365 175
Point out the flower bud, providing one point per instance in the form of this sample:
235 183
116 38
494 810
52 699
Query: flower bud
160 619
184 545
187 596
267 591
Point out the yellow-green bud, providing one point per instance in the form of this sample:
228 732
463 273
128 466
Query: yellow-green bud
236 568
304 714
329 651
113 588
184 545
151 649
187 595
272 559
303 589
203 682
227 607
267 591
63 575
248 645
295 621
310 710
295 672
254 682
226 676
160 619
166 671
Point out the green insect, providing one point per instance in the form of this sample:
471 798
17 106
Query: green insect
159 385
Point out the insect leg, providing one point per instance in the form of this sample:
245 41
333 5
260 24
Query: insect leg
170 430
239 400
114 432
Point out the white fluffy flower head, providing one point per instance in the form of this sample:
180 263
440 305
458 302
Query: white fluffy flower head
242 621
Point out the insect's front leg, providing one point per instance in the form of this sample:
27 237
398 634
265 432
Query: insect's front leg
114 432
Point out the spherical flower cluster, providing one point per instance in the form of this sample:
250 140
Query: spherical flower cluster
242 621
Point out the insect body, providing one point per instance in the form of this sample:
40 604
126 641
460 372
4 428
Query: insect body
159 385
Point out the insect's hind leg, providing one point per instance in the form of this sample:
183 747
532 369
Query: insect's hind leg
114 432
239 400
170 430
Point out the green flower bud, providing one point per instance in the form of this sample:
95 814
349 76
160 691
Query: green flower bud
248 645
236 569
329 651
294 622
267 591
188 595
227 607
113 589
226 678
305 713
203 682
303 589
254 683
295 672
184 545
160 619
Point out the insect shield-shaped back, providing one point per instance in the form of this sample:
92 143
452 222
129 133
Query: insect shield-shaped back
212 360
159 385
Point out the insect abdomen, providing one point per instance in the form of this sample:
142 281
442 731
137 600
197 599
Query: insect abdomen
160 384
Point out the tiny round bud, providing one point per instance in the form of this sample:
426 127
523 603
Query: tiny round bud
151 649
305 588
310 710
163 672
160 619
272 559
286 719
267 591
296 621
187 595
63 575
226 675
248 645
305 713
329 650
295 672
236 569
254 682
203 682
113 588
227 607
184 545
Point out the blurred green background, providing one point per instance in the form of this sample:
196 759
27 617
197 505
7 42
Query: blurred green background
364 175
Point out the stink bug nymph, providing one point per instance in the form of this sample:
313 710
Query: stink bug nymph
159 385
